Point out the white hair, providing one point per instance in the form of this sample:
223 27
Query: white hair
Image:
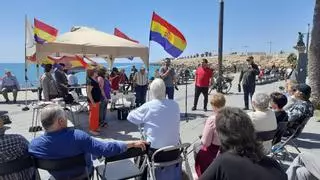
50 114
158 89
260 101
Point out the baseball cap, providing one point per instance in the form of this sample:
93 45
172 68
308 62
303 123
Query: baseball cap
304 89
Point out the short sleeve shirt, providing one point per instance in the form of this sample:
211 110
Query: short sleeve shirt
203 77
95 92
168 81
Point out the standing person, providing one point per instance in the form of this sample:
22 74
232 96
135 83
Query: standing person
48 84
94 98
248 79
73 81
114 79
141 85
203 80
105 89
168 75
9 84
62 80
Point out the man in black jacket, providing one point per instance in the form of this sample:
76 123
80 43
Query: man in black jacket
248 79
62 80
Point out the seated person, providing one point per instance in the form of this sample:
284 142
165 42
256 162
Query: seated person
60 142
9 84
302 109
291 88
73 82
241 155
263 118
160 118
210 143
278 101
12 147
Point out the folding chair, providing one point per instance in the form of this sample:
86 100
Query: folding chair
266 137
160 159
280 147
121 166
16 166
60 165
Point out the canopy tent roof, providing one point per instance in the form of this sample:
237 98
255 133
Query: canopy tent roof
89 42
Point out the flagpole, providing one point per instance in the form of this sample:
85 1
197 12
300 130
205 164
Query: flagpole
149 46
26 108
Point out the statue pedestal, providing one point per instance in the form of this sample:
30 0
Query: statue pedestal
302 64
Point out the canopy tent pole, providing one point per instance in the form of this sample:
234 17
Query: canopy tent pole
25 108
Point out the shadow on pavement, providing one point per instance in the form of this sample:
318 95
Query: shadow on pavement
191 116
311 136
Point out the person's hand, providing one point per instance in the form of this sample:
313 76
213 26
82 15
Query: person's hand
137 144
93 104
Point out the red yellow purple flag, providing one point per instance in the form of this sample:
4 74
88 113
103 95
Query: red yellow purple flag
44 32
168 36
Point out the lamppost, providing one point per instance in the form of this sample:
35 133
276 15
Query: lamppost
220 47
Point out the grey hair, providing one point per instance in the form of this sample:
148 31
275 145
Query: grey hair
158 89
50 114
261 101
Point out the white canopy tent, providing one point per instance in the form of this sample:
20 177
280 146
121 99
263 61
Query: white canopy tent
89 42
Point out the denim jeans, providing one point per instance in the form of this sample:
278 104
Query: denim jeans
170 92
102 112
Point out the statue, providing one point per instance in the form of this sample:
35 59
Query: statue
300 40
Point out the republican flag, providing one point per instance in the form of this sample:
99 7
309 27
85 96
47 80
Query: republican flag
118 33
168 36
44 32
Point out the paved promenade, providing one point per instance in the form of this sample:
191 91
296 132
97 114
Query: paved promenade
309 141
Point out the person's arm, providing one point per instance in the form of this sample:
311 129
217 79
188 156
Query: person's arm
241 76
106 149
295 113
164 74
89 95
16 83
101 85
174 78
255 69
137 116
208 132
46 88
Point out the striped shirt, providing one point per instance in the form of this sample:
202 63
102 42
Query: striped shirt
141 79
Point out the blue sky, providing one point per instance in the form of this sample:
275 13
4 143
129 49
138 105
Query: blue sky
247 22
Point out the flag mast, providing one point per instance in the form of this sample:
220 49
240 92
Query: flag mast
26 108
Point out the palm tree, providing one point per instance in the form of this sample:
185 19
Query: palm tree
314 57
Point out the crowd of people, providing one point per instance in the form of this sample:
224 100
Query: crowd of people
229 147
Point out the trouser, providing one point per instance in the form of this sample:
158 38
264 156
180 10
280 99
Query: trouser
248 90
198 90
170 92
8 89
94 116
102 111
141 92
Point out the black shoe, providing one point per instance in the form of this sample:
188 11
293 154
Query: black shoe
14 101
245 109
205 109
194 108
7 101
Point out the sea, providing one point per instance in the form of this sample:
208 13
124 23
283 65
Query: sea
18 69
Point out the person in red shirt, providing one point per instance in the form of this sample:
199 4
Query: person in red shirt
203 80
114 79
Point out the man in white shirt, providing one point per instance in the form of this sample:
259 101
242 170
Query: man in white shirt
263 118
140 81
73 81
160 117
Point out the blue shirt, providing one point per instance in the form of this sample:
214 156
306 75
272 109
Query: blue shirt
71 142
161 122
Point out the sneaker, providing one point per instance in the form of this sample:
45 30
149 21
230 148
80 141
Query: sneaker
245 109
205 109
194 108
